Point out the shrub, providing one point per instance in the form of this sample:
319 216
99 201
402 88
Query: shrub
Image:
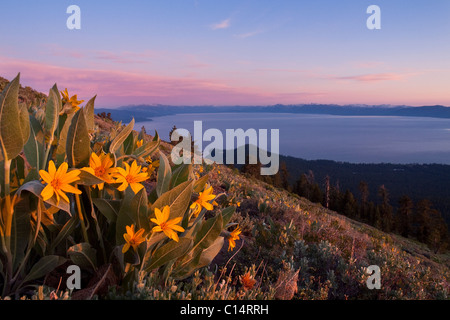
72 195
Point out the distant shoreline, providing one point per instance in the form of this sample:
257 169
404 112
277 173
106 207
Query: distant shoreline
143 113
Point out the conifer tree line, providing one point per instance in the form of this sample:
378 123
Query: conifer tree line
416 220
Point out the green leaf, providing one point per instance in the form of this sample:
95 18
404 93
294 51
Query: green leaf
199 185
34 148
147 149
62 141
89 114
156 137
120 137
198 258
88 179
66 230
21 228
177 199
24 119
169 252
35 187
227 214
106 208
52 109
209 232
45 265
78 142
128 144
132 211
83 255
181 174
11 138
164 175
205 236
210 253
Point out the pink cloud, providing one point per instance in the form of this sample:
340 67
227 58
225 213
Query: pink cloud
115 88
375 77
124 57
221 25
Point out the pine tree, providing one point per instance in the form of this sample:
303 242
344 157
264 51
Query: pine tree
364 208
385 209
430 226
301 187
349 205
327 191
404 216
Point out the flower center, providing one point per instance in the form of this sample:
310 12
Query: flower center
129 178
163 226
56 183
99 171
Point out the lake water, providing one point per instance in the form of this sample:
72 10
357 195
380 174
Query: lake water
356 139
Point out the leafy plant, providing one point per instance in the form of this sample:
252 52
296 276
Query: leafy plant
72 195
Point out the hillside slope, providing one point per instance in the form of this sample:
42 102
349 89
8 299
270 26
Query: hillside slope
328 250
26 94
309 252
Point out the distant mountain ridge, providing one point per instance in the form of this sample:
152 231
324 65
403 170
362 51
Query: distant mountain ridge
146 112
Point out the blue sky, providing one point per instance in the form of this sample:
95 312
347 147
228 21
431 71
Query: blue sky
190 52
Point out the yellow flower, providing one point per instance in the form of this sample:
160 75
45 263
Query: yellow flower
165 225
154 164
203 200
234 235
101 167
72 101
139 143
130 176
132 239
58 181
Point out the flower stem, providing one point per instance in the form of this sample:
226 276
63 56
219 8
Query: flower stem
9 211
8 224
81 217
49 147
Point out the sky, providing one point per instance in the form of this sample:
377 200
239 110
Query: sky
230 52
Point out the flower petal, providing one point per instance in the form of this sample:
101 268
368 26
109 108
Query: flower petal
51 169
126 247
45 176
62 170
70 188
136 187
94 161
63 195
157 229
177 228
71 176
47 192
123 186
159 216
208 206
166 213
